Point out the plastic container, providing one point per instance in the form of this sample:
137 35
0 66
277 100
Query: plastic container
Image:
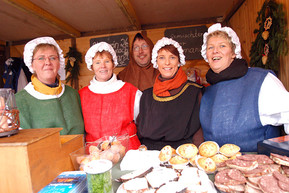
99 178
112 148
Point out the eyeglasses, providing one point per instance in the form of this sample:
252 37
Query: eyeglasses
143 47
50 58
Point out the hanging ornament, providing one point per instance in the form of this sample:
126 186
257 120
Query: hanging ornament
265 55
72 60
265 35
267 25
273 31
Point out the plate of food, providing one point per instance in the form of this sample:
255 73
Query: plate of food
162 179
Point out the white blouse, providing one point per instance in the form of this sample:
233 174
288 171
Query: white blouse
274 103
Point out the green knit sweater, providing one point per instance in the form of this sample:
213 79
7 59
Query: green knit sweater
64 112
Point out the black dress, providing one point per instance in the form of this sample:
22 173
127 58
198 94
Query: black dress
169 120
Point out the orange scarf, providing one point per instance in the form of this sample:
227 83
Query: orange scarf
162 88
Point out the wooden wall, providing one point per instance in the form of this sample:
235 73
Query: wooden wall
243 22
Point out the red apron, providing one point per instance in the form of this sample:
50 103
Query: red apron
109 114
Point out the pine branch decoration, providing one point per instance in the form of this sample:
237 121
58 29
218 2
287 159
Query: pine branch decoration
74 58
272 37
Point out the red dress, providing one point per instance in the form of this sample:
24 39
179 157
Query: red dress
109 114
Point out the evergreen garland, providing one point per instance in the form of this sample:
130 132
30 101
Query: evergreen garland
273 45
74 58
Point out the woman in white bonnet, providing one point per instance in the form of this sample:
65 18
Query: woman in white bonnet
109 106
46 102
243 105
169 112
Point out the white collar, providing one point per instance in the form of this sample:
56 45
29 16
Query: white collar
30 89
109 86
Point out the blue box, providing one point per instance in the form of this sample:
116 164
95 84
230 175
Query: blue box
67 182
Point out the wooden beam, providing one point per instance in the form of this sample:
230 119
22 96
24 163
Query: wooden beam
128 10
31 8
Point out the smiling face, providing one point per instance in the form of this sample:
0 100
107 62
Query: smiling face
167 63
46 63
220 53
141 52
102 66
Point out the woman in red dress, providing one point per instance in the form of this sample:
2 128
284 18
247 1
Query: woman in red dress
109 106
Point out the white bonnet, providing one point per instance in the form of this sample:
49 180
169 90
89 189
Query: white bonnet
30 46
163 42
99 47
231 34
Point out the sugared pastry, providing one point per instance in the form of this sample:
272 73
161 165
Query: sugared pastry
218 158
188 150
208 148
229 150
178 160
206 164
166 153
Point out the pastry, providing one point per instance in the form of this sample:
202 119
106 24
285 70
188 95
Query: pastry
208 148
175 160
188 150
229 150
218 158
206 164
166 153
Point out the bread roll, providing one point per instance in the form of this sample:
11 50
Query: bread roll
166 153
208 148
188 150
229 150
206 164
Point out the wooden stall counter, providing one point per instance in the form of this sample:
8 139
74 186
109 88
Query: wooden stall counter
32 158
